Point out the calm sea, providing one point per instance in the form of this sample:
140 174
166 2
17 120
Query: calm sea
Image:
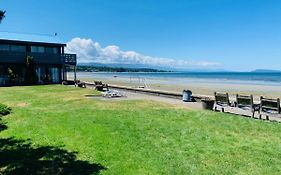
242 77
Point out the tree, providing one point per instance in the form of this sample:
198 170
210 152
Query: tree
31 77
2 15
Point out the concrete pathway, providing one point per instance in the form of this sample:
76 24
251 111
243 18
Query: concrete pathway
188 105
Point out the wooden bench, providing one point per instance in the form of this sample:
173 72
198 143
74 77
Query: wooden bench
246 102
80 84
99 86
269 106
222 100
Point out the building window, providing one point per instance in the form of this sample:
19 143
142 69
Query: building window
18 48
52 50
41 75
37 49
54 74
48 75
4 47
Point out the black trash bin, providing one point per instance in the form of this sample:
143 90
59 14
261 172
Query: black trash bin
186 95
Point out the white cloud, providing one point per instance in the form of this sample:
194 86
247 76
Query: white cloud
89 51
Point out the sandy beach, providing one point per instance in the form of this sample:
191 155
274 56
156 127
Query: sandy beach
197 86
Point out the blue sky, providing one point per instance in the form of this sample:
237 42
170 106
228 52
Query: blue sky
206 34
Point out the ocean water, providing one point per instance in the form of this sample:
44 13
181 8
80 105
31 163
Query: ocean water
216 77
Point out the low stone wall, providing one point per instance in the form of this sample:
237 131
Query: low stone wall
147 91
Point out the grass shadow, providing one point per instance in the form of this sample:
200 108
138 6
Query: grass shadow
21 157
2 126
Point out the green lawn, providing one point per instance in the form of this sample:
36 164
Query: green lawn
56 130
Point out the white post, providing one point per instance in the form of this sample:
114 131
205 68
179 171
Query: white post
75 74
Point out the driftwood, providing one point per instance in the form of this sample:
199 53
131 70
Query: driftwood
99 86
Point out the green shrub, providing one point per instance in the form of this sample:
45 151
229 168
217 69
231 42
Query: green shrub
4 110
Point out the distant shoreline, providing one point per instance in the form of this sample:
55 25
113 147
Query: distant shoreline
83 68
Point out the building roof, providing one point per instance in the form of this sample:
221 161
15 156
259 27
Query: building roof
31 38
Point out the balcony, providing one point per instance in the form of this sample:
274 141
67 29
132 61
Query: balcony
69 59
39 58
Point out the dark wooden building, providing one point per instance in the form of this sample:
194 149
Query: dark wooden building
50 61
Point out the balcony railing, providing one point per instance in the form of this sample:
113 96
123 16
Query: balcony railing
40 58
69 59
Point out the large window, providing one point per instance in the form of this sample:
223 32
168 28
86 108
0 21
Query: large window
18 48
4 47
37 49
52 50
48 75
54 74
41 73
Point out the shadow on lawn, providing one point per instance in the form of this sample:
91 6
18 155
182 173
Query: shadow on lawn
2 126
20 157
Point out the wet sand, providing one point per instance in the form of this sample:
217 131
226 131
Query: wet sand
197 86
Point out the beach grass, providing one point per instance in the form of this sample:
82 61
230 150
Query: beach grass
128 137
